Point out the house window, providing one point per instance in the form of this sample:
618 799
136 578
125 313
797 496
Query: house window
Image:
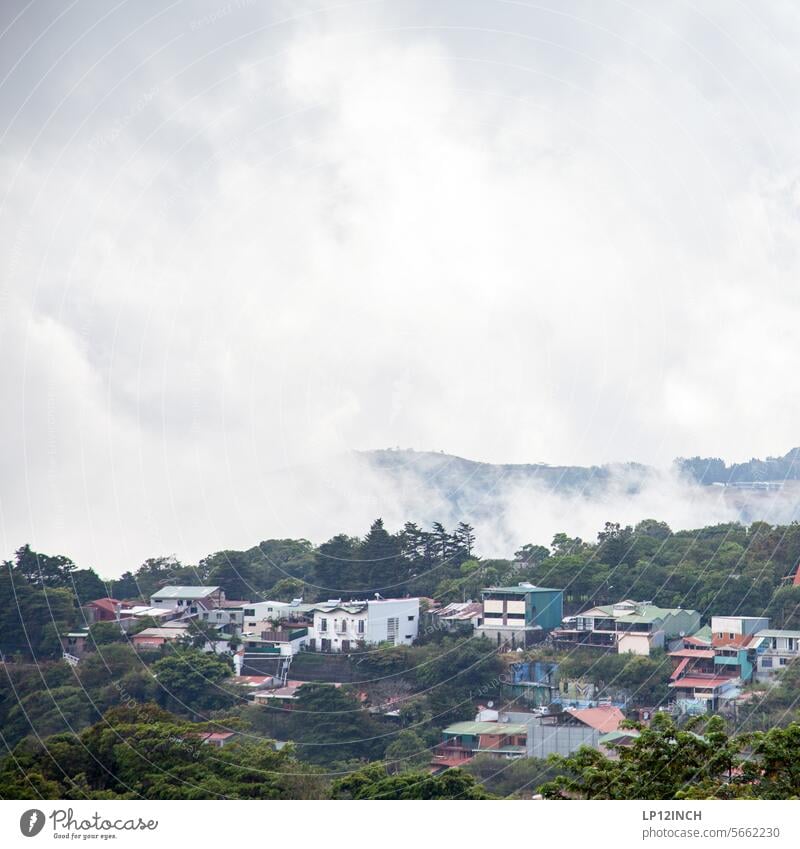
219 616
730 636
410 618
323 624
782 661
249 611
361 624
766 662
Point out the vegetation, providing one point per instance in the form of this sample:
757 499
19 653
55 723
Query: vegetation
157 700
668 762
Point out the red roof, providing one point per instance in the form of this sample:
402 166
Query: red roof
604 718
689 653
697 681
109 604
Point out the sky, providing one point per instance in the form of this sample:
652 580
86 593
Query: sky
242 239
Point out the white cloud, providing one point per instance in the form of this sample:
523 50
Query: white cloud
511 234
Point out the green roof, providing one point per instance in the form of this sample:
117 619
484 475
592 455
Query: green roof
646 612
519 589
703 633
475 729
621 734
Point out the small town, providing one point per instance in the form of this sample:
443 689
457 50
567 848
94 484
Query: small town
715 668
398 407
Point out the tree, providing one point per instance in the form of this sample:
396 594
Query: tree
374 782
407 752
531 555
464 538
190 682
336 566
140 751
233 571
329 724
87 585
43 570
380 554
662 762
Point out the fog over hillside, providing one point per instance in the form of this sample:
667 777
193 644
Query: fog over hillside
259 237
511 504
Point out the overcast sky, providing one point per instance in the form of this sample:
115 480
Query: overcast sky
242 237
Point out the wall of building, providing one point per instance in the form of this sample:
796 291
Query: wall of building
548 608
634 643
544 739
386 616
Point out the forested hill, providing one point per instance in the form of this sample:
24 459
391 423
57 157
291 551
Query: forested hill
449 472
758 490
455 474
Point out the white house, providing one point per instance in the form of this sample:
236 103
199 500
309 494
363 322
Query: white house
347 625
775 649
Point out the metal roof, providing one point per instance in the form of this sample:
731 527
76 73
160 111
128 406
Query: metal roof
475 729
521 589
184 592
644 613
773 632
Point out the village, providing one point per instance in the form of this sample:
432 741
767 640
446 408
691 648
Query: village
532 710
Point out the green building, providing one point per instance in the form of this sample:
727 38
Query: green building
520 615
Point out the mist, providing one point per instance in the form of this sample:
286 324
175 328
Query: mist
243 242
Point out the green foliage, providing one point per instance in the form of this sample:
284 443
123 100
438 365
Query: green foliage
329 724
667 762
190 682
510 779
406 752
144 752
374 782
32 612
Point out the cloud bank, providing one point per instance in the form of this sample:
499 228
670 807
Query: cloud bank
247 238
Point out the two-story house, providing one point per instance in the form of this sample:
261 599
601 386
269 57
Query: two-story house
628 626
518 616
347 625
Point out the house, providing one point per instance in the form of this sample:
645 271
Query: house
704 692
188 600
714 663
534 683
286 639
637 627
463 740
736 630
218 739
457 616
774 649
346 626
75 645
603 718
560 733
155 638
257 614
104 610
520 615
